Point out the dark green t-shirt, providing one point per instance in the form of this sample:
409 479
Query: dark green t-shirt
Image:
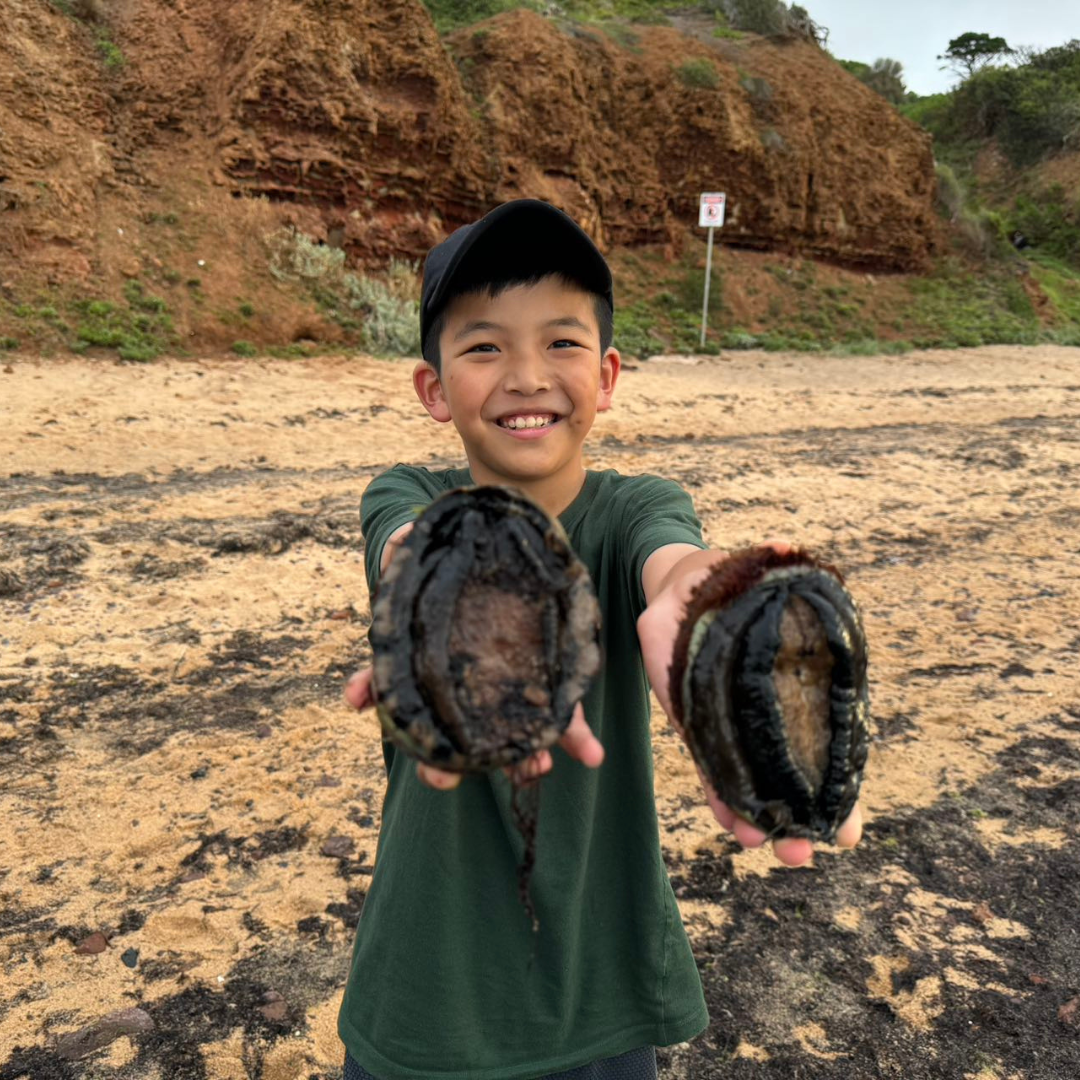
447 979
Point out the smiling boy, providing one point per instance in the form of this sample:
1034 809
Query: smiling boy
446 979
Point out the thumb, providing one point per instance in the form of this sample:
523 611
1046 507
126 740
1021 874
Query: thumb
579 741
359 692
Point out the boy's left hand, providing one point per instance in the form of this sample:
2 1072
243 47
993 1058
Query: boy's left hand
657 629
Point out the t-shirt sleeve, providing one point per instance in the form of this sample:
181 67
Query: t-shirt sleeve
657 512
392 499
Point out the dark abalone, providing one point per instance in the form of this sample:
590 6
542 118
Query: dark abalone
769 683
485 632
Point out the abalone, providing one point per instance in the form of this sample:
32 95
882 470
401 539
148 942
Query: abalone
769 683
485 632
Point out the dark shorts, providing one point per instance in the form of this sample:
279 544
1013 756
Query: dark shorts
638 1064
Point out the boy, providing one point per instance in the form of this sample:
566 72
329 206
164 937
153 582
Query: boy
447 980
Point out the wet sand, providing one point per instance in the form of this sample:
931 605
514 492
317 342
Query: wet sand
182 595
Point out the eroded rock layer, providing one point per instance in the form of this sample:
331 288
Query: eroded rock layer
384 138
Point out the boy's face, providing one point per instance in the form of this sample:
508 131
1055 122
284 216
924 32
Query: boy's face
522 380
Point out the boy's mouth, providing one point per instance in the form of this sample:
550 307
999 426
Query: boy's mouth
527 421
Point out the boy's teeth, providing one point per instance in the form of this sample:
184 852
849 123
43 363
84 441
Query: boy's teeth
527 421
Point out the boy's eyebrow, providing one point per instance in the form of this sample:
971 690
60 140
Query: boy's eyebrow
477 324
484 324
569 321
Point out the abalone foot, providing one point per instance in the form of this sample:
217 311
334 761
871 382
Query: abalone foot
485 632
769 684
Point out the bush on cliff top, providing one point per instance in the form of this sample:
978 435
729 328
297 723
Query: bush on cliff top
772 18
1032 110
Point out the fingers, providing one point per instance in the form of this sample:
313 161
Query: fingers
437 778
793 852
393 544
531 769
849 834
781 547
359 692
579 741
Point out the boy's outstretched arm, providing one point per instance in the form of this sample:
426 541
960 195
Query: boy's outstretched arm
669 576
577 740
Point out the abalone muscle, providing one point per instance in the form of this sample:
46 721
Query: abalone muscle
768 681
485 632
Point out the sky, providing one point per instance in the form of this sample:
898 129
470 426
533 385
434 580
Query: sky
916 31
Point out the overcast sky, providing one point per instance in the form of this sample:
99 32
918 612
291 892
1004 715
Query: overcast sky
916 31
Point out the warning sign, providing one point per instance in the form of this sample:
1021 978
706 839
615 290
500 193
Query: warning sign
711 211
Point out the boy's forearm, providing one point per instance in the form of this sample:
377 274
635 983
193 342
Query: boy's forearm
682 576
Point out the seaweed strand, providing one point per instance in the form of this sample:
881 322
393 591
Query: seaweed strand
525 805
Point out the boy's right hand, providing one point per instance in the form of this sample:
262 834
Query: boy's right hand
577 740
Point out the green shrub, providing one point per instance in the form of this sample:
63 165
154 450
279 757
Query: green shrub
984 232
452 14
1050 223
138 351
737 338
635 330
244 348
757 89
699 73
110 52
1061 284
772 139
767 17
623 35
136 296
246 310
1032 109
391 323
138 333
949 195
8 343
296 257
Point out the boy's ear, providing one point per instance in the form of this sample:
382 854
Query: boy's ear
430 392
610 366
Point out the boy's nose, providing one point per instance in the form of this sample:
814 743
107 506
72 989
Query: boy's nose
527 374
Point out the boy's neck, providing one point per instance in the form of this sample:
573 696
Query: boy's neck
553 493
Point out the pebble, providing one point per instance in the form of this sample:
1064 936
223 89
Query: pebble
90 946
130 957
338 847
101 1032
276 1007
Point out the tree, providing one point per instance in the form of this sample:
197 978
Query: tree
969 52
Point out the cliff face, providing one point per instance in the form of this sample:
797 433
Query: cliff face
810 158
373 135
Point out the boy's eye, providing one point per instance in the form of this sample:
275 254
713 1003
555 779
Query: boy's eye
566 343
483 347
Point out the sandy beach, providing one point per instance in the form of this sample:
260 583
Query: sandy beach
182 596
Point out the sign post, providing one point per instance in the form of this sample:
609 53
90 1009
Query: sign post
711 217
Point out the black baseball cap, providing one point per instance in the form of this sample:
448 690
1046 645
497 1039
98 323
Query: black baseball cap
516 240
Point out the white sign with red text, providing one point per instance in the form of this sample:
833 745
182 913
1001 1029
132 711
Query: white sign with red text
711 210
